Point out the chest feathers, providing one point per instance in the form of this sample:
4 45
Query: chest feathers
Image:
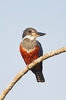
29 50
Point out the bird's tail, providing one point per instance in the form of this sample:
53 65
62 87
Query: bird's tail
39 77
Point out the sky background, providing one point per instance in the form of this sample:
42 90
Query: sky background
46 16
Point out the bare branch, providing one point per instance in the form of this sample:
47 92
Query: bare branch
27 68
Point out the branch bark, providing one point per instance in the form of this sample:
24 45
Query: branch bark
27 68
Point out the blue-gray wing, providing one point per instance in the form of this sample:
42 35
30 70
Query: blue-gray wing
41 50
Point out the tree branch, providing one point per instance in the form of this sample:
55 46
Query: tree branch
27 68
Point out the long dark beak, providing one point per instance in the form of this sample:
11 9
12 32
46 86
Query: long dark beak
40 34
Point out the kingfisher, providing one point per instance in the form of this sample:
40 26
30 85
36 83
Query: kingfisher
31 49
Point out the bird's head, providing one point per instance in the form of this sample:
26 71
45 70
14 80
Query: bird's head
32 33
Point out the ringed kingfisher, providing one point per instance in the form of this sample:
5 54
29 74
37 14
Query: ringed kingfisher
31 49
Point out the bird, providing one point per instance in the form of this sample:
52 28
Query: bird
31 49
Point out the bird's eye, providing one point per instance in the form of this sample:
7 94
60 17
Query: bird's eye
30 31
